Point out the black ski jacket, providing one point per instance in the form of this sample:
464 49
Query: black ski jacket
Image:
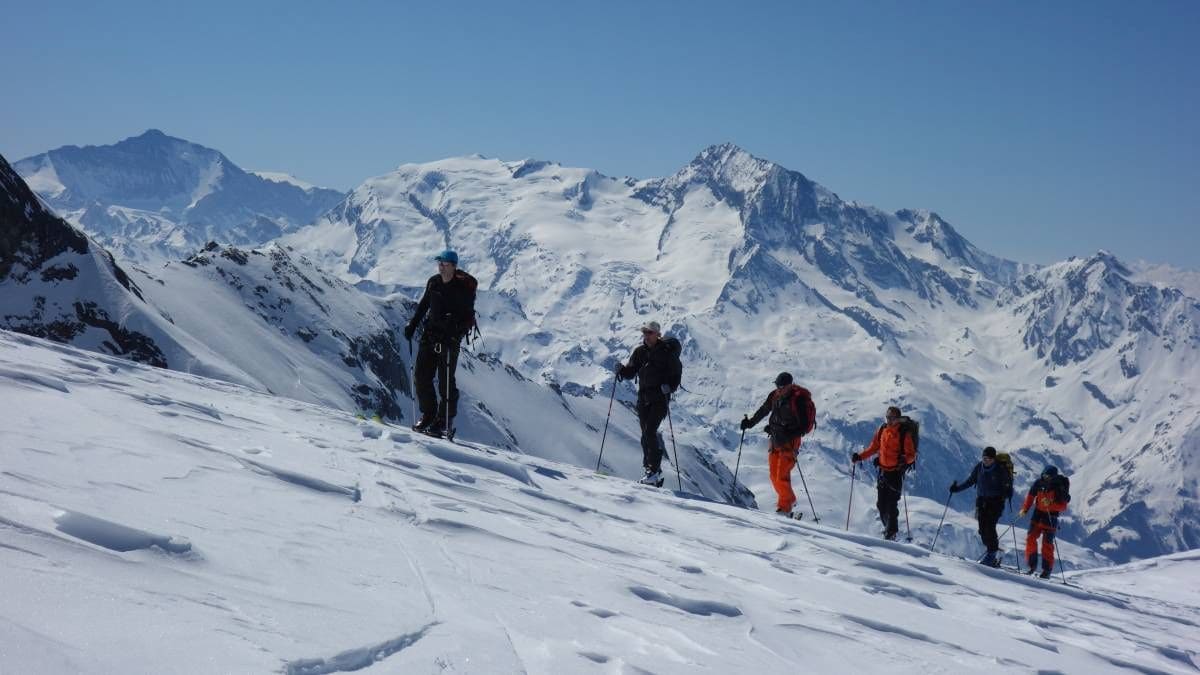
448 308
655 367
993 482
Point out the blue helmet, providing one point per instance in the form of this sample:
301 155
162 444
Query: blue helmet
447 256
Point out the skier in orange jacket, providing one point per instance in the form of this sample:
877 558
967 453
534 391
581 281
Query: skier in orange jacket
1050 495
897 453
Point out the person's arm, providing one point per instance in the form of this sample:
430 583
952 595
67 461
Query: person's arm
871 449
971 480
636 361
1028 500
762 411
422 307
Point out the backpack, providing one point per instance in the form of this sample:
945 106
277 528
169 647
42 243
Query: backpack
796 412
1005 461
910 427
674 365
471 330
1062 488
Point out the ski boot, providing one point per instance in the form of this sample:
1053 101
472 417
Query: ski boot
654 478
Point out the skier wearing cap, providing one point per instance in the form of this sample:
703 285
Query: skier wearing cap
655 363
792 415
447 309
897 451
993 488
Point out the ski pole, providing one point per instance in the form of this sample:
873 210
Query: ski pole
939 530
1016 554
446 400
816 518
604 436
1061 571
412 381
853 467
907 526
738 464
671 426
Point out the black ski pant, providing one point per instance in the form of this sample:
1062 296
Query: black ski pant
436 358
987 512
887 500
651 410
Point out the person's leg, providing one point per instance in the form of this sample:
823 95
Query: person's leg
1048 549
781 462
888 502
989 515
650 416
423 372
1031 538
448 374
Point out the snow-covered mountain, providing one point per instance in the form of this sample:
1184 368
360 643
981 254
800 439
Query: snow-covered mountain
269 319
156 193
153 521
758 269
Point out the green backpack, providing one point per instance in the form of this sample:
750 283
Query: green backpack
1005 461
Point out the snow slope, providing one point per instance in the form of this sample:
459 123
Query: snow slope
230 531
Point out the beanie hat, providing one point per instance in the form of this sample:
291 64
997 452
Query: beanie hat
783 379
989 451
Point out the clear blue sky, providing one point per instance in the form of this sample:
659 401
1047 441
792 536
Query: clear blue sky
1040 130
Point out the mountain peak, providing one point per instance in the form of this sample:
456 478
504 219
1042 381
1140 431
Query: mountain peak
724 153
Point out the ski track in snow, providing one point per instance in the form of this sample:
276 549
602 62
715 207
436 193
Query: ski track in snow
443 556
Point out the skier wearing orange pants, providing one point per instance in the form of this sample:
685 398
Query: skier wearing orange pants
1050 495
781 459
792 415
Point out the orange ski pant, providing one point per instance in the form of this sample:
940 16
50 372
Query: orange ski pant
781 460
1040 529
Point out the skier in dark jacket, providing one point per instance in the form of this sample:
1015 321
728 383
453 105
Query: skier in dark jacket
1049 495
993 488
655 363
448 311
792 415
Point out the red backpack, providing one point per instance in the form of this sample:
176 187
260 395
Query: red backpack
796 412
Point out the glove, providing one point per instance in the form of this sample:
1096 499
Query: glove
409 330
745 423
954 487
910 466
1021 513
665 389
855 457
617 370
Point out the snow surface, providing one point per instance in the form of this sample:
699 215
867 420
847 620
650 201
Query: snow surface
153 521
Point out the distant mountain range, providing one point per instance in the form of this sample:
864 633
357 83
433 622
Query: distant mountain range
1084 364
157 194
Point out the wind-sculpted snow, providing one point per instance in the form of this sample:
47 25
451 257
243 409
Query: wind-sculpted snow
116 536
454 560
